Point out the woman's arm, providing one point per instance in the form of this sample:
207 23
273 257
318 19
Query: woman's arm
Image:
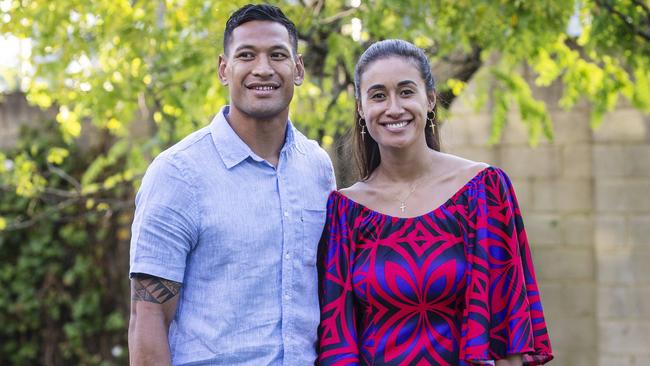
514 360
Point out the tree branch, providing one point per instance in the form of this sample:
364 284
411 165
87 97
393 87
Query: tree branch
624 18
339 16
18 225
644 6
65 176
456 66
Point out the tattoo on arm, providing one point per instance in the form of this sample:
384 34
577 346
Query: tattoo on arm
153 289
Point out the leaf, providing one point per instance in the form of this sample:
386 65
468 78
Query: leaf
56 155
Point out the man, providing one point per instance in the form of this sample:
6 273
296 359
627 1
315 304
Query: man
228 220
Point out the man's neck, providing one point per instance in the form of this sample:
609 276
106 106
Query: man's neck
264 137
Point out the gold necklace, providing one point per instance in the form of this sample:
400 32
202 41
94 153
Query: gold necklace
402 201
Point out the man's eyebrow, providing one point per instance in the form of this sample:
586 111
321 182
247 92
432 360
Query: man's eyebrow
280 46
251 47
244 46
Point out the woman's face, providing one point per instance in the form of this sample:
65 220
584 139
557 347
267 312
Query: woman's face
394 102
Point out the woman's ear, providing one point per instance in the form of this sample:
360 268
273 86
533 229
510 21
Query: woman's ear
432 101
360 110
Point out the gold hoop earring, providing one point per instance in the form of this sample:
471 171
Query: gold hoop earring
362 123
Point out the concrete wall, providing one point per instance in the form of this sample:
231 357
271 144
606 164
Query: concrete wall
14 113
621 162
586 204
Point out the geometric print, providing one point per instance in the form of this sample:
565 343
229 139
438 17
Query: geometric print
455 286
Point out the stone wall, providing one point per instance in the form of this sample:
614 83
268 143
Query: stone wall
585 198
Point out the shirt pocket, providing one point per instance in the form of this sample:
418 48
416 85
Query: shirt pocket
312 228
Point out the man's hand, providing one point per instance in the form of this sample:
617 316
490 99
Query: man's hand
153 305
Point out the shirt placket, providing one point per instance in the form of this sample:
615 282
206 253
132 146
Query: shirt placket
288 254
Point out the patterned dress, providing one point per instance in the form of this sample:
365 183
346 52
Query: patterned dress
454 286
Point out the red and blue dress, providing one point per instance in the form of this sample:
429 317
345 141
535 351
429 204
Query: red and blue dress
454 286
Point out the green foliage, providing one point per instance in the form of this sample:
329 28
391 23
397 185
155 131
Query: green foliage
63 280
112 61
126 79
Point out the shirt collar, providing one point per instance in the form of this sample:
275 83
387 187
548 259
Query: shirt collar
231 147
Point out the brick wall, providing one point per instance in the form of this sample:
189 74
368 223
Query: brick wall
586 204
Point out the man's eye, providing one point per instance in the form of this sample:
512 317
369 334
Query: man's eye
407 92
377 96
245 55
279 56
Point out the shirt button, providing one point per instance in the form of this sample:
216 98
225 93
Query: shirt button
287 256
286 213
287 296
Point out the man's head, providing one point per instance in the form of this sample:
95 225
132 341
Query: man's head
252 12
260 65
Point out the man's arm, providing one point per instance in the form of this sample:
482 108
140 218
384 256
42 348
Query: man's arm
153 305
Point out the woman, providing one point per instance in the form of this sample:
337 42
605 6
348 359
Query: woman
425 260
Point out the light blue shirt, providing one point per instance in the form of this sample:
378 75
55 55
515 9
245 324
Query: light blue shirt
241 236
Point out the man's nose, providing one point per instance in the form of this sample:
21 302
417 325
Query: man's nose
263 67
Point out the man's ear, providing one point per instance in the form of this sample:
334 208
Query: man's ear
300 71
222 70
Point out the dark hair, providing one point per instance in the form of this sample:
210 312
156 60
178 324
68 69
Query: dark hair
250 12
366 151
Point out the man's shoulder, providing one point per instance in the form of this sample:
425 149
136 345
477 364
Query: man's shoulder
310 147
187 148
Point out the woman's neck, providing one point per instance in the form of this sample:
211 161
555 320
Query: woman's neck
404 165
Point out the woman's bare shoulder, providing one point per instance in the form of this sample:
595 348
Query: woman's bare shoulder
459 166
461 162
460 170
357 192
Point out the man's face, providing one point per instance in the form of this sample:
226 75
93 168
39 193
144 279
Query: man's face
260 69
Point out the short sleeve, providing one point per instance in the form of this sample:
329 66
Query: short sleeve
504 314
165 225
338 342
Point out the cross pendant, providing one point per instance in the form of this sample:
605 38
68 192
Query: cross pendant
363 134
402 206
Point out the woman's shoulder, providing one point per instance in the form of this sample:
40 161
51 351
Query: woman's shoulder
356 192
458 170
457 164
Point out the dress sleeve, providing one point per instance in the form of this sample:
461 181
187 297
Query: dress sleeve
337 331
504 313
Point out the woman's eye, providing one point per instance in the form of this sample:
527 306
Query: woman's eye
377 96
407 92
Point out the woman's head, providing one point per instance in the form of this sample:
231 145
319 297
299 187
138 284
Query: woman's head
395 94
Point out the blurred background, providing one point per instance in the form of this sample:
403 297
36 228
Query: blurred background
555 92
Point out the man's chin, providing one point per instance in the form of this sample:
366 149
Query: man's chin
265 113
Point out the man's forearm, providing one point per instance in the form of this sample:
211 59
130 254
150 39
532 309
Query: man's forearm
148 343
153 304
